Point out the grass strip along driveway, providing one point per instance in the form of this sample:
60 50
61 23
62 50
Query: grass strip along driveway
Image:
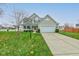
71 34
12 45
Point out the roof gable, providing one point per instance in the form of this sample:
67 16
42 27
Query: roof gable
48 21
47 16
34 15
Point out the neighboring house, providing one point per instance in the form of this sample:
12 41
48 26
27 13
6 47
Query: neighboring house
77 25
61 27
7 28
34 22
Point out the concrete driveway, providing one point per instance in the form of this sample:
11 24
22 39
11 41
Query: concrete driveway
61 45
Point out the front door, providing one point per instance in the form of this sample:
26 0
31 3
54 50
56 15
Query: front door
35 27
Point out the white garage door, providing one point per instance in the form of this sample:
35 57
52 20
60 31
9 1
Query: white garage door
47 29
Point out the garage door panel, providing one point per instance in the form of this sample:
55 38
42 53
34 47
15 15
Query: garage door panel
47 29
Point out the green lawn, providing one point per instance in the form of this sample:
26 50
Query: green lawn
12 45
70 34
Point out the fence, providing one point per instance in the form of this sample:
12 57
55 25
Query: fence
71 29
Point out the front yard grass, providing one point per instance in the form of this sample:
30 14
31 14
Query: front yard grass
11 45
70 34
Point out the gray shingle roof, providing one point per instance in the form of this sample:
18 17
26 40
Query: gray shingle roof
77 24
30 18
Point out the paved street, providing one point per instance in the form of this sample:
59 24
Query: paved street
61 45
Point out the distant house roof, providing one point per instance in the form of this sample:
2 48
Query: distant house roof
77 24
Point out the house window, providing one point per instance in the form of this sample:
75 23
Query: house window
24 27
28 27
35 27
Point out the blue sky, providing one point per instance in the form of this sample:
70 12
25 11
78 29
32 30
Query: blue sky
62 13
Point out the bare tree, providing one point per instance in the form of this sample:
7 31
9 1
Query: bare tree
18 16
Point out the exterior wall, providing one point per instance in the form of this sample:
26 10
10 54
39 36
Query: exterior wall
47 22
61 27
47 29
21 28
77 26
35 19
27 22
32 21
